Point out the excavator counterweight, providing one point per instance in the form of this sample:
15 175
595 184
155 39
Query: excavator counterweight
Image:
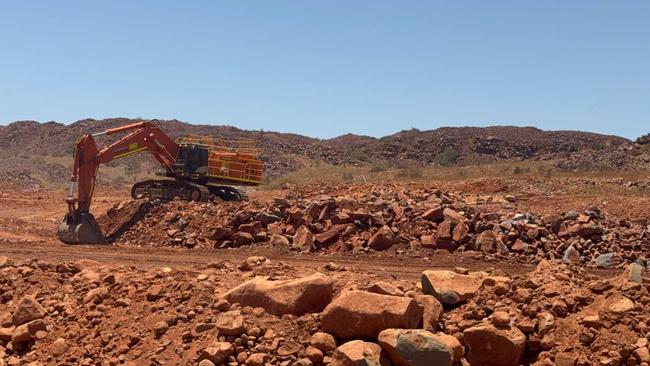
196 169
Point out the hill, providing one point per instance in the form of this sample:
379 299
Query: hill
285 152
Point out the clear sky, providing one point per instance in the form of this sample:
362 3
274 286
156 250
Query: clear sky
325 68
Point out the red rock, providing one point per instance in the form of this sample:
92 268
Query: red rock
359 353
243 238
341 218
28 309
221 233
434 214
304 295
303 239
444 230
364 314
453 216
428 241
488 345
432 312
449 287
487 242
383 239
460 233
251 228
327 237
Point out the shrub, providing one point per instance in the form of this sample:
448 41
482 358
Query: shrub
448 157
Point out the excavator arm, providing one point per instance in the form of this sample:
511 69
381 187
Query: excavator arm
79 225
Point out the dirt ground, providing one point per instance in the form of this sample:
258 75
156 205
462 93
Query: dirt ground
89 294
28 221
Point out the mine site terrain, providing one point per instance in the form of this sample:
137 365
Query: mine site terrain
457 246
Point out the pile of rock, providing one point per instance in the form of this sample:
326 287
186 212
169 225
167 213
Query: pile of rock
403 217
85 313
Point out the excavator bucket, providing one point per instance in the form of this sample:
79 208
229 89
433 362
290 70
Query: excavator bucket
80 228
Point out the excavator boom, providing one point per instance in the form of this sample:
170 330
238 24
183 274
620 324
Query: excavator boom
79 225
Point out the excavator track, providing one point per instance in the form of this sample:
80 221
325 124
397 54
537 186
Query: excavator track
167 190
227 193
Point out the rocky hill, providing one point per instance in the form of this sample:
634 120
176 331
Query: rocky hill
285 152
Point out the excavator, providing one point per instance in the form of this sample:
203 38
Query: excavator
195 168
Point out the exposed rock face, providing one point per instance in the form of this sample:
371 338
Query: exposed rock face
304 295
364 314
449 287
414 347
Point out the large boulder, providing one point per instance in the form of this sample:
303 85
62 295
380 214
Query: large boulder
415 347
363 314
359 353
449 287
28 309
304 295
494 346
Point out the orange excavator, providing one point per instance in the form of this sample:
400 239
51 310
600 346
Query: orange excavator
196 168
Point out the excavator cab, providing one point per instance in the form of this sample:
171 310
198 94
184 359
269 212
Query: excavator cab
191 161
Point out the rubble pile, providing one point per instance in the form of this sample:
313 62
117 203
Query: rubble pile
86 313
397 218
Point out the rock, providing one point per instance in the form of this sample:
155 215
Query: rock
642 354
279 240
154 293
59 346
257 359
96 295
453 216
383 239
571 255
3 261
160 328
428 241
488 345
230 323
27 332
314 354
217 352
460 233
620 305
432 312
608 260
304 295
28 309
434 214
221 233
359 353
414 347
385 288
303 239
449 287
452 343
364 314
501 319
243 238
323 341
487 242
633 273
327 237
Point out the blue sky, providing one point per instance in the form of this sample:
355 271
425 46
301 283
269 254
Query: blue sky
325 68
